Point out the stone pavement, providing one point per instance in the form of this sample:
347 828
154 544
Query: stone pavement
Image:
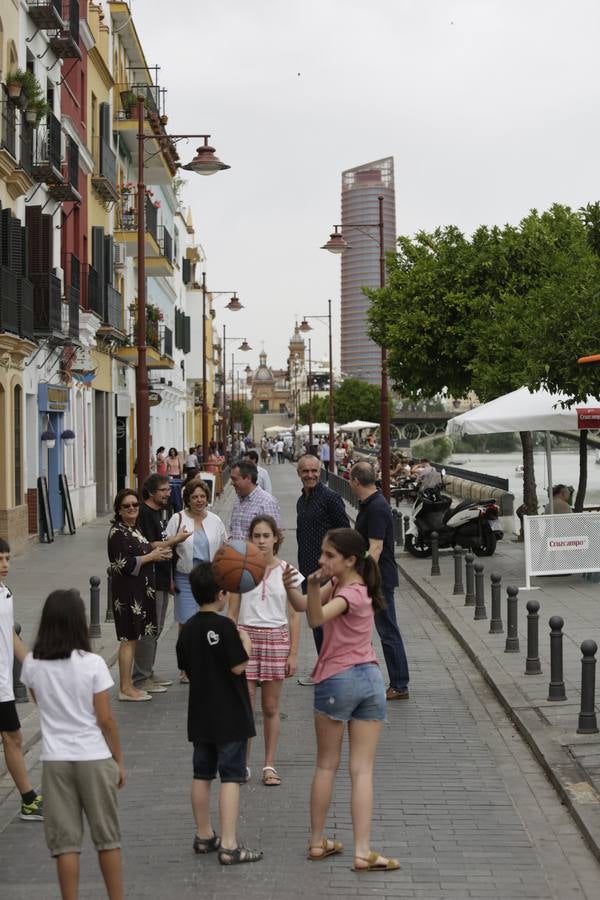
459 797
571 761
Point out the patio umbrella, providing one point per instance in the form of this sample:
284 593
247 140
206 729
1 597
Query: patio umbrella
358 425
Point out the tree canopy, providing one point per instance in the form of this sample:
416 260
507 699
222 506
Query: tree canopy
242 413
354 399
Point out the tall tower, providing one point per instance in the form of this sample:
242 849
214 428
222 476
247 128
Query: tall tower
361 186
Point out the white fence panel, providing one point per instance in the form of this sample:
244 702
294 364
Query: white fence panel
561 544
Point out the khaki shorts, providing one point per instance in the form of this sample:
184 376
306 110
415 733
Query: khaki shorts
72 788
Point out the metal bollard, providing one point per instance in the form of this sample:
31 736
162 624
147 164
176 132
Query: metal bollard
556 688
19 689
397 527
405 523
533 665
480 610
435 553
95 631
512 635
469 580
458 583
587 713
496 626
109 617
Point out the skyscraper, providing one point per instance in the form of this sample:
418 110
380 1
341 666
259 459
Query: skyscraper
361 187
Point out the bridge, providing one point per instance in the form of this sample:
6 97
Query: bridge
412 425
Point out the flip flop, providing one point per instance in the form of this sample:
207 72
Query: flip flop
391 865
328 847
142 697
270 777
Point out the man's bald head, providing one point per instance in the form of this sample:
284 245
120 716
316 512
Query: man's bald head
364 473
309 471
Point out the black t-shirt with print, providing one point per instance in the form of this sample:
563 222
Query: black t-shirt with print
152 525
219 709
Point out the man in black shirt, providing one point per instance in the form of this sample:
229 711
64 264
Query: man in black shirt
214 654
151 522
318 510
374 521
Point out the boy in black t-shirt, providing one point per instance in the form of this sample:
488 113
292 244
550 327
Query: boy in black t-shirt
214 654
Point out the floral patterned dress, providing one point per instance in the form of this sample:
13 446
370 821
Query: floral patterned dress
133 593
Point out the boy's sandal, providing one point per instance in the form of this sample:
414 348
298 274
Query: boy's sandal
238 855
183 679
327 848
375 862
270 777
206 845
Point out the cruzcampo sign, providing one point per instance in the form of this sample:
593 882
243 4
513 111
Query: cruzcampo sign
588 417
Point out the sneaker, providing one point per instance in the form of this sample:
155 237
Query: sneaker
151 686
393 694
305 680
162 681
34 811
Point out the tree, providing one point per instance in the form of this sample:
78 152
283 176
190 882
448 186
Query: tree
320 410
512 306
356 399
242 414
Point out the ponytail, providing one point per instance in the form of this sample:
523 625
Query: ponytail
349 542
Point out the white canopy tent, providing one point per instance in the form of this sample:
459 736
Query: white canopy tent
522 410
357 425
319 428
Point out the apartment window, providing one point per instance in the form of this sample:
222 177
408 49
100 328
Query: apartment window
18 440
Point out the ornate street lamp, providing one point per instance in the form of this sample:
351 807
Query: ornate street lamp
306 326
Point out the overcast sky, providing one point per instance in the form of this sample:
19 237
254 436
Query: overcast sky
489 108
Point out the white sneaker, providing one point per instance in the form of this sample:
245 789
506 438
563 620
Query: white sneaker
151 687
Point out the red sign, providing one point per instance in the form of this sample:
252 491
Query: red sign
588 417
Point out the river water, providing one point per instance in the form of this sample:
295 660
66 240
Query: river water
565 470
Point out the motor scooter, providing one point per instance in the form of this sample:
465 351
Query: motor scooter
472 524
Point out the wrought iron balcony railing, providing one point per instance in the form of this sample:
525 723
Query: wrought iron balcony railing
104 176
47 303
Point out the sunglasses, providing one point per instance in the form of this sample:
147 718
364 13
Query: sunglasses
130 506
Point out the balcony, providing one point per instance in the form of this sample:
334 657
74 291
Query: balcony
65 40
104 176
162 264
25 307
68 189
47 304
159 167
94 299
42 152
126 225
46 15
15 176
113 305
159 346
72 299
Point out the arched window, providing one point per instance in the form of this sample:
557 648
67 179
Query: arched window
18 442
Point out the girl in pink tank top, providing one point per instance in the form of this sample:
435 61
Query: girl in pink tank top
349 688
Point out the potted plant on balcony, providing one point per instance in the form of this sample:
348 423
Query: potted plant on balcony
36 110
14 83
68 437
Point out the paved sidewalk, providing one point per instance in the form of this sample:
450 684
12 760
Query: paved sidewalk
571 761
459 797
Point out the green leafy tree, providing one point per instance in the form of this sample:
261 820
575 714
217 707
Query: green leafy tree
242 413
320 410
356 399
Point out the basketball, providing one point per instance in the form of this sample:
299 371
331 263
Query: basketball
238 566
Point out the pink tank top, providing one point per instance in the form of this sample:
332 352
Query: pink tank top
347 638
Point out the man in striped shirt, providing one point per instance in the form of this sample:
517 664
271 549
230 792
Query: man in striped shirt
251 500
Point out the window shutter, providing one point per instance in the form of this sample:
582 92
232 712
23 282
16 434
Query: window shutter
186 334
40 236
98 256
104 116
109 258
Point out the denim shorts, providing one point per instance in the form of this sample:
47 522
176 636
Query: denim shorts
355 693
228 759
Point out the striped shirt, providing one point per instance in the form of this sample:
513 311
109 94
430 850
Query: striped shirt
256 503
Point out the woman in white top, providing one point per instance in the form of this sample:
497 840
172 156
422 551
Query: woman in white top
267 616
81 752
208 535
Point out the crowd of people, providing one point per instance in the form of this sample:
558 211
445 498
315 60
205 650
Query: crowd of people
344 584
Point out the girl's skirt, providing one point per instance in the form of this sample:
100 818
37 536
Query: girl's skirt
270 650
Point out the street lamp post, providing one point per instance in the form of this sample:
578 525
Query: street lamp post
234 305
337 244
244 347
204 163
305 326
310 409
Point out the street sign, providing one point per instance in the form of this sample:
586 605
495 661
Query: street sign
154 398
588 417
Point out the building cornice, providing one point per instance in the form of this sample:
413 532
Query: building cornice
86 161
101 68
85 33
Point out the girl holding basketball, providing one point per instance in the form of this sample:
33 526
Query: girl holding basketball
267 616
349 688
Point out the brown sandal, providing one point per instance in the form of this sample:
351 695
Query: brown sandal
270 777
390 865
328 847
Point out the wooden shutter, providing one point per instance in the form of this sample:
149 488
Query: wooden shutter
40 237
109 257
98 257
104 116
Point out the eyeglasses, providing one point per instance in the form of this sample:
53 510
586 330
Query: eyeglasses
130 506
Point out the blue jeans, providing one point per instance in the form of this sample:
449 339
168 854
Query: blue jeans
391 642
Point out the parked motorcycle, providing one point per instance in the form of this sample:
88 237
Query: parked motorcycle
472 524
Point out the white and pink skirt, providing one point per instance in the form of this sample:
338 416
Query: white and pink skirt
270 650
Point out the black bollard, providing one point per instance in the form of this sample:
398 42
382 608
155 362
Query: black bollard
406 524
480 611
496 626
435 554
458 583
397 527
95 631
556 688
587 713
469 580
19 689
533 665
512 635
109 617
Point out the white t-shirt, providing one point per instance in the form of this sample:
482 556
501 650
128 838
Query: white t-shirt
7 624
64 690
266 605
